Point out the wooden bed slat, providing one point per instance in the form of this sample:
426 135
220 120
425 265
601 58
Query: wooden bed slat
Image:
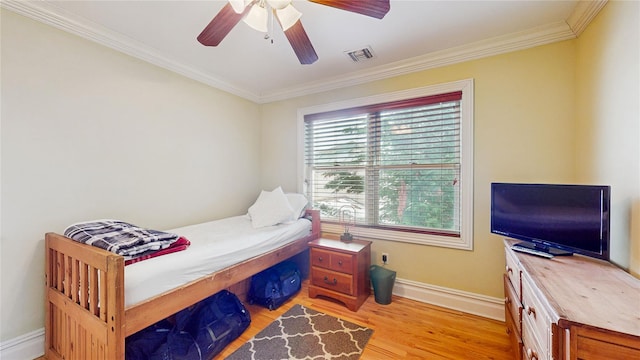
59 274
84 285
102 294
93 292
68 276
75 280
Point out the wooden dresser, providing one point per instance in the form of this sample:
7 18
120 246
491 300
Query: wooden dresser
340 271
570 307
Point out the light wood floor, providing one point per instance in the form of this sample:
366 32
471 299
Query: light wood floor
404 329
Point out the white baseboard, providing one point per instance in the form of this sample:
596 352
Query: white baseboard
27 346
476 304
31 345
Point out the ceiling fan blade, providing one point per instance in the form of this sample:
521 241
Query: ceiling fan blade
301 44
374 8
220 25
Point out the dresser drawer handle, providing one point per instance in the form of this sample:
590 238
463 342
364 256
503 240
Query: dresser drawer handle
508 269
334 282
340 263
532 354
320 259
530 310
507 300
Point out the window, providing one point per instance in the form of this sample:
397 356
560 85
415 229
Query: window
397 165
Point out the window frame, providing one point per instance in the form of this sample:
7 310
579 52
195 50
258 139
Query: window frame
465 240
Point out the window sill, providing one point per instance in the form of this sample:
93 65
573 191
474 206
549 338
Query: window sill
402 236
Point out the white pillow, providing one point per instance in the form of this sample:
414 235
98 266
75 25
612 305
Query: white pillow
271 208
298 203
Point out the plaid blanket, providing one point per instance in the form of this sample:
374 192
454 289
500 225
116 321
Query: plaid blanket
120 237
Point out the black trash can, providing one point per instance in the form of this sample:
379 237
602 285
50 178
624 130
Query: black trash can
382 280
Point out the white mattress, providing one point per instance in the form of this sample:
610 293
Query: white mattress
214 246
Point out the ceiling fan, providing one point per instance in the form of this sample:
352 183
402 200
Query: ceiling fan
256 14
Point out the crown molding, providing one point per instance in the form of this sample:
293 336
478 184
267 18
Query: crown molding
498 45
49 14
583 14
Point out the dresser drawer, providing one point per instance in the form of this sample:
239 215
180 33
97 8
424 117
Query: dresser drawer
512 271
332 260
512 303
332 280
531 348
595 344
514 335
536 316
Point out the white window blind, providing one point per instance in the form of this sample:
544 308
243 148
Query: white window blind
397 164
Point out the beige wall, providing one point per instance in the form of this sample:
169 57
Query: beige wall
87 133
608 117
523 132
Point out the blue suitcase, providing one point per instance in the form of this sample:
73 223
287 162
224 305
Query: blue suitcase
275 285
197 333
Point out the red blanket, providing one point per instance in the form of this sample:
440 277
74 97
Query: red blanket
179 245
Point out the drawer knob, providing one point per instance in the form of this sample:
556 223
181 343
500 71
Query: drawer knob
340 263
320 259
530 310
327 281
507 300
508 269
532 354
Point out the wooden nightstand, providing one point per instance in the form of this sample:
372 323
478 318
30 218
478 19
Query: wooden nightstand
340 271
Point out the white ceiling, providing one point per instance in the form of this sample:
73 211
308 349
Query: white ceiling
413 36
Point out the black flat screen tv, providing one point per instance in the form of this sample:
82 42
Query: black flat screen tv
554 218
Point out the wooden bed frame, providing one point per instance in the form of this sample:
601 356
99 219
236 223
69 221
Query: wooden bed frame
85 316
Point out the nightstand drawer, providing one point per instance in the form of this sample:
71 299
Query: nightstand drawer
332 260
332 280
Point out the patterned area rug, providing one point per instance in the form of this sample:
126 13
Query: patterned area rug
303 333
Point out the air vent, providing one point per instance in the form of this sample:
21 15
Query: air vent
360 55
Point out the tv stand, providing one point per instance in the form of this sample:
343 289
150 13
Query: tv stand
541 248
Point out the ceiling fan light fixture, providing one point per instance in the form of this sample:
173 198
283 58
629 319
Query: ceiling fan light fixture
279 4
239 5
258 18
259 15
288 16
